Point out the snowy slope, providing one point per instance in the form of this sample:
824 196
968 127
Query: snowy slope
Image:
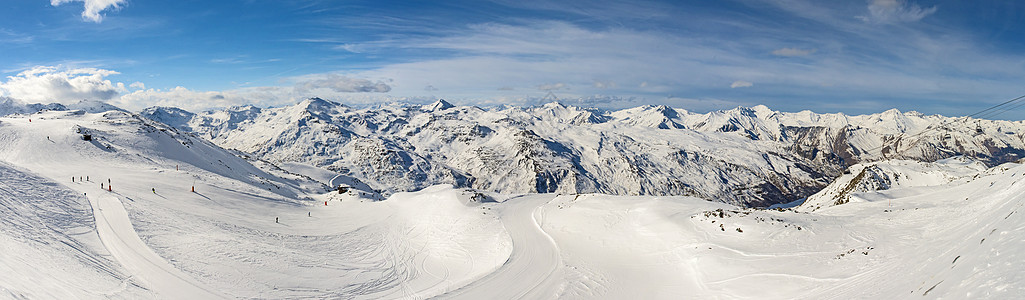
244 232
50 245
940 230
952 240
863 180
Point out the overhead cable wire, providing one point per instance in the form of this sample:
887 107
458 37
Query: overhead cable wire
989 112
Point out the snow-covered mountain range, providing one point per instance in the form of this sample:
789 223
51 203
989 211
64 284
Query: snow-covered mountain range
744 156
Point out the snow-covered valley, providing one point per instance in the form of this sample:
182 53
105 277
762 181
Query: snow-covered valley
148 210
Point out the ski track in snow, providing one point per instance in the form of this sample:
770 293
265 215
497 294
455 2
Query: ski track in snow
528 274
119 237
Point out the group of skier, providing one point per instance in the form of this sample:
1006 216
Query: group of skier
154 190
86 178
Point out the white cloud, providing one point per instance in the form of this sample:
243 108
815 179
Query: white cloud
552 86
741 84
342 84
179 97
895 11
137 85
93 8
46 84
791 52
608 84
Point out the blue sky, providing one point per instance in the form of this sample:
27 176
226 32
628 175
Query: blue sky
946 57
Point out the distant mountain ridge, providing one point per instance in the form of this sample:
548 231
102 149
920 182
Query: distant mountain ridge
750 156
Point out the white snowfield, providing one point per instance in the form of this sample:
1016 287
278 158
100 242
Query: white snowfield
938 230
118 236
531 271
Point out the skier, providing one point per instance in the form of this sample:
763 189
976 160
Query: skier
309 214
275 219
101 185
87 178
73 179
154 190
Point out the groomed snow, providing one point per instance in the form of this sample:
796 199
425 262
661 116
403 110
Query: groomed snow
249 232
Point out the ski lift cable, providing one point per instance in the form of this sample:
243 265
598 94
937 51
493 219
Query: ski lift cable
985 113
1011 107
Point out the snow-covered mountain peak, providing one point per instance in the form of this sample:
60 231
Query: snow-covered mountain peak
896 121
744 111
762 111
553 105
172 116
661 117
891 112
241 108
316 104
558 113
10 106
439 105
667 111
93 106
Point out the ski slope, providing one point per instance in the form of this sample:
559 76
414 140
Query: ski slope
51 249
223 240
118 236
938 230
532 270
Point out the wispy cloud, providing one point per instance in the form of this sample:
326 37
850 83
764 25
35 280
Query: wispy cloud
604 84
342 84
242 59
93 8
791 52
8 36
741 84
552 86
895 11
